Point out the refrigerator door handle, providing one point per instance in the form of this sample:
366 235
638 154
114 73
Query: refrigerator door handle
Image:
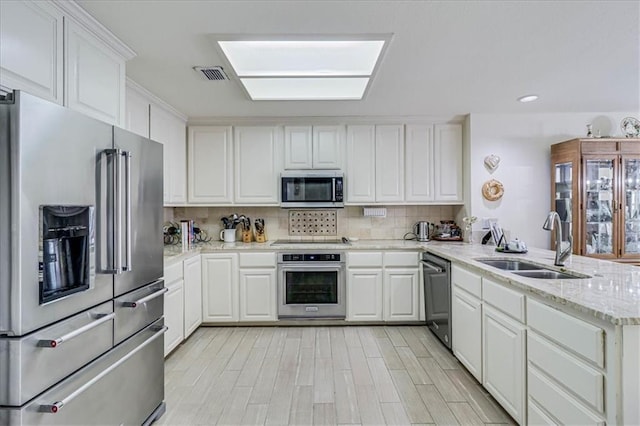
118 211
127 160
109 236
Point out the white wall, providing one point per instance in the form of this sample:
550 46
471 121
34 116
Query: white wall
523 141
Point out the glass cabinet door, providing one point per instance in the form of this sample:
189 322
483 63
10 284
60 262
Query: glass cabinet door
631 188
600 207
563 189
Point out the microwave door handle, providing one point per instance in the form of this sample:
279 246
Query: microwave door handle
333 189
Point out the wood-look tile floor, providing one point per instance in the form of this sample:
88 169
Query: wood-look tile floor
393 375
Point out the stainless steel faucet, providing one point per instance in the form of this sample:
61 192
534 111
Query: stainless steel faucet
563 248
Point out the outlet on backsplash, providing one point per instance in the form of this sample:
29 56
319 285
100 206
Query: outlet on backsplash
350 221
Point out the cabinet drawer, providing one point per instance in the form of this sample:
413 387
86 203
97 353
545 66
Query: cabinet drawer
585 382
557 402
402 259
364 259
582 338
466 280
173 273
257 260
537 416
508 301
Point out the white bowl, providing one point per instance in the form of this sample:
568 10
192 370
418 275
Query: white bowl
353 239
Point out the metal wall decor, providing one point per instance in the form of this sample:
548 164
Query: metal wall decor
491 162
492 190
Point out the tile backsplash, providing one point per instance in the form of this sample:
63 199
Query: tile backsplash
350 220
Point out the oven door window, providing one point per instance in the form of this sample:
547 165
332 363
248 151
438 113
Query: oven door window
307 189
315 287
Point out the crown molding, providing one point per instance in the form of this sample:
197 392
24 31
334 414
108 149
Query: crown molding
73 10
156 100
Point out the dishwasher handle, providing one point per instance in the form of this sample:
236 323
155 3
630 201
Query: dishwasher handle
434 269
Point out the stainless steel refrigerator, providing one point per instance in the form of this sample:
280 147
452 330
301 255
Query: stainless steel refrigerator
81 306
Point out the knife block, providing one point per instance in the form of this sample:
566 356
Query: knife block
247 236
261 236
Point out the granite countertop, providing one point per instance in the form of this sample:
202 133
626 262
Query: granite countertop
611 294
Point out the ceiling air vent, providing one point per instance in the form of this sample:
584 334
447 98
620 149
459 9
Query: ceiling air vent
211 73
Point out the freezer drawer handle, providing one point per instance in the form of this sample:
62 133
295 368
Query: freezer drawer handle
56 406
54 343
145 299
432 267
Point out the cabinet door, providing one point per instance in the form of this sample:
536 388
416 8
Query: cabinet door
31 48
258 294
401 295
419 170
94 76
630 231
257 151
504 361
361 164
298 153
364 295
209 165
137 113
192 295
220 287
601 206
448 162
389 163
327 147
170 130
174 316
466 330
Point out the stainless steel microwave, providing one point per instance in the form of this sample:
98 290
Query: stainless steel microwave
312 189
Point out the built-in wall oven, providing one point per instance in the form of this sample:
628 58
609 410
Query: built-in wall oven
311 285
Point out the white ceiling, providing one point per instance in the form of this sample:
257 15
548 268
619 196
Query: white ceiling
445 58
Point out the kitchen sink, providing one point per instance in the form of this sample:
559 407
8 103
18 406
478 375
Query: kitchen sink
511 264
551 275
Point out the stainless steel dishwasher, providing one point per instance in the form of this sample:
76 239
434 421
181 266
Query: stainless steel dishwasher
437 296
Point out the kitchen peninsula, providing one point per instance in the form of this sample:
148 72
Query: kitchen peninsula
566 349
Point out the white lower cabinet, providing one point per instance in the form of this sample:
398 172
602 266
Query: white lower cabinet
192 295
258 295
174 316
466 319
504 361
220 287
466 330
364 294
400 290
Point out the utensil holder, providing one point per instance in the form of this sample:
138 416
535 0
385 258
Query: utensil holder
247 236
261 236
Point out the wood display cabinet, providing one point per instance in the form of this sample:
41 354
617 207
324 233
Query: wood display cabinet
595 188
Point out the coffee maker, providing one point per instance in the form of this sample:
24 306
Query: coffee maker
422 230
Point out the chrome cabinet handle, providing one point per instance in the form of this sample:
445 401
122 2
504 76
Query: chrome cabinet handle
54 343
57 405
145 299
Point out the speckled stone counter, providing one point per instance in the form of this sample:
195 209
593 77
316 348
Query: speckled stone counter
611 294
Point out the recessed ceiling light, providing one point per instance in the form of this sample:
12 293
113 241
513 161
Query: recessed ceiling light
528 98
304 69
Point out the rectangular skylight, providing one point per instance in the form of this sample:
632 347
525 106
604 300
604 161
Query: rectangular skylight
304 69
311 88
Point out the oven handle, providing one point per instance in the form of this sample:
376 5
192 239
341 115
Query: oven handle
54 343
434 268
56 406
307 266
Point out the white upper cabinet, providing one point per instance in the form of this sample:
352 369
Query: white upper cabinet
209 165
317 147
31 35
419 175
137 112
298 149
390 163
94 76
361 164
448 162
257 154
171 131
